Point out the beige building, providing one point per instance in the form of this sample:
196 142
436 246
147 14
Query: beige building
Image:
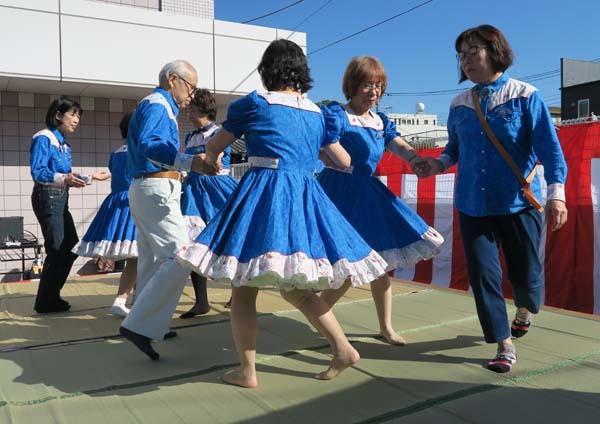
107 54
420 129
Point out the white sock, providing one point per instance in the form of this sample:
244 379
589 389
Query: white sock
119 301
524 316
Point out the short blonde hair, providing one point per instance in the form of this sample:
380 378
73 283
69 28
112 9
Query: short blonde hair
363 69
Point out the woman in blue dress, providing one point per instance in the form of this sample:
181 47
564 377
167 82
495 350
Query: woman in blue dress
279 228
203 195
112 233
387 224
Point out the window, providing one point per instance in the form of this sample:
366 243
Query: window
426 121
583 108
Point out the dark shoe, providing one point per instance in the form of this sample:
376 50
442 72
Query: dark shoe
503 362
62 301
141 342
228 304
171 334
48 309
519 328
196 310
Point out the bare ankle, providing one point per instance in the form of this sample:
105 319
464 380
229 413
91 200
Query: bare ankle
242 378
340 361
392 337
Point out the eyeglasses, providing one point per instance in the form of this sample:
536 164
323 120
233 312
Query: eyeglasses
471 52
368 86
191 87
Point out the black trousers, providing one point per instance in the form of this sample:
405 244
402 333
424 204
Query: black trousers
51 207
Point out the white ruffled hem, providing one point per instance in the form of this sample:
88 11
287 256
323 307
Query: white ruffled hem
107 249
194 225
421 250
282 271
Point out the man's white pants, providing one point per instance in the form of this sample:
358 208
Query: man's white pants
154 204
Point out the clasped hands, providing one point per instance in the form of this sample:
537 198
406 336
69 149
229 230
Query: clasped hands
426 166
206 164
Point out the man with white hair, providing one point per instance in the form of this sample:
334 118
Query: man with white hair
155 162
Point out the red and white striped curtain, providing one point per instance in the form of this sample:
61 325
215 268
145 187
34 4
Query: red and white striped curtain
571 256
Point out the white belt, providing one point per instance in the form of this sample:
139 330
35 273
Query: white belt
263 162
346 170
223 172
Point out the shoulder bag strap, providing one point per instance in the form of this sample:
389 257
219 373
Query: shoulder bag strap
525 182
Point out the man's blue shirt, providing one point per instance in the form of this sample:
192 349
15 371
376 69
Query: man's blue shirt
153 135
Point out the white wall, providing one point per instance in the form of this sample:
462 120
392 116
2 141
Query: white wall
109 44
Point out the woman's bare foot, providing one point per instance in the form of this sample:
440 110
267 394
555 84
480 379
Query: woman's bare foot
393 338
237 377
339 363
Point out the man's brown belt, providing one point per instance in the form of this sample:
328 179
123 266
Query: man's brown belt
174 175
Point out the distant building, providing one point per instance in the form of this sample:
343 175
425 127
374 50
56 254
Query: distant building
555 113
420 129
580 89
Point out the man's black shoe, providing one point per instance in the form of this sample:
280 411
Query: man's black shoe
141 342
170 335
48 309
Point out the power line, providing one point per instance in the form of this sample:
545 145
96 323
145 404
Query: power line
529 78
291 34
272 13
370 27
312 14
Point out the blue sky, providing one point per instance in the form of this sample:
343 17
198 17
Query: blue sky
417 48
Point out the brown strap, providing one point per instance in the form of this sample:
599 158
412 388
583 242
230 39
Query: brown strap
525 182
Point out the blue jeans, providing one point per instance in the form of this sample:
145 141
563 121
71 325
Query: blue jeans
51 207
519 236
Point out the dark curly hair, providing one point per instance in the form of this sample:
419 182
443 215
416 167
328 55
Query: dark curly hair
499 51
284 65
205 102
61 105
124 124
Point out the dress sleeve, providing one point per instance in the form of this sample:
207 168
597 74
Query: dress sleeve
333 113
390 132
242 114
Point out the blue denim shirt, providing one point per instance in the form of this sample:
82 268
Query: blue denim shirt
153 136
519 118
50 157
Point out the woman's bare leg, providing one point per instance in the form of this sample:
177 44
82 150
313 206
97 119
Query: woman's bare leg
381 290
126 284
332 296
244 327
319 314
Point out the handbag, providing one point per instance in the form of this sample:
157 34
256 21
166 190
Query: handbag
524 181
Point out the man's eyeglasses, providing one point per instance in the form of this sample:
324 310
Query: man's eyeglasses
368 86
471 52
191 87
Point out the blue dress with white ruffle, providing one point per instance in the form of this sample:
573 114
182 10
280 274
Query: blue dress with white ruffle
203 195
387 224
112 233
279 228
